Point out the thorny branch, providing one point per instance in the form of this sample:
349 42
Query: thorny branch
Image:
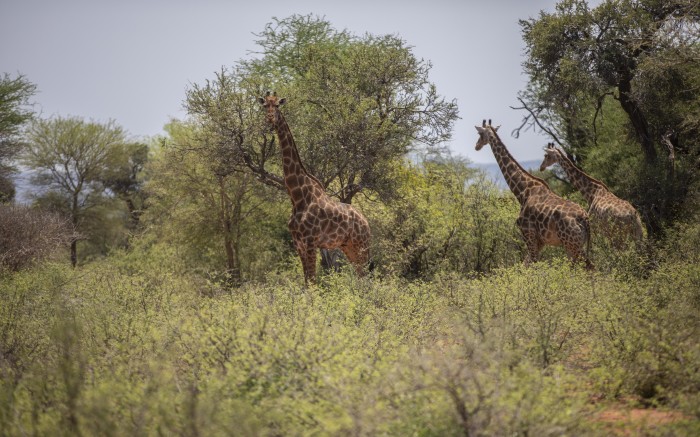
533 120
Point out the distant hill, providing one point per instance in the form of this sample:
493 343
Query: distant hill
24 189
494 172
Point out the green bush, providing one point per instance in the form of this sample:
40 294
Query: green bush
138 344
450 220
648 335
541 311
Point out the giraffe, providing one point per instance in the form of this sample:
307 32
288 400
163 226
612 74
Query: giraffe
616 218
317 221
545 218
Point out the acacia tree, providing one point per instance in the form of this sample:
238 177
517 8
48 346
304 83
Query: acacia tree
356 105
206 205
123 176
14 101
638 57
70 157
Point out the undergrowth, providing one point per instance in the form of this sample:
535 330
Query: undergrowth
137 345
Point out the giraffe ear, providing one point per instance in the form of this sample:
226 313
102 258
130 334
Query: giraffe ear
261 100
282 101
479 129
495 129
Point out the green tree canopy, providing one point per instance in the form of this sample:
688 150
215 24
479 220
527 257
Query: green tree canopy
124 177
14 113
214 213
637 57
355 105
72 158
448 219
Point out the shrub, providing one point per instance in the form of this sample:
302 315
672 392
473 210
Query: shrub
29 235
139 344
541 311
474 389
648 336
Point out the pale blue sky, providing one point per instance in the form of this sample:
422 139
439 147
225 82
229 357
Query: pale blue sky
131 61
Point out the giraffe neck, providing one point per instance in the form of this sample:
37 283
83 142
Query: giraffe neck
589 187
520 182
295 174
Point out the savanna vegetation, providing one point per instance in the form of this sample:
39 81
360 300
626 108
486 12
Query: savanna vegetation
153 289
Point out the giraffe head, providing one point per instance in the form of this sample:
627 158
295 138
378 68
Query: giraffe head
271 103
487 134
551 156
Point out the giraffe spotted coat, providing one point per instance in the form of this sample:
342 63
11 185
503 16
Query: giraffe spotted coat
545 218
614 217
317 220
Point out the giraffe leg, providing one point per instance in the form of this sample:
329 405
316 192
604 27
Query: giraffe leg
575 236
308 262
637 229
534 246
363 259
576 252
533 252
586 244
573 251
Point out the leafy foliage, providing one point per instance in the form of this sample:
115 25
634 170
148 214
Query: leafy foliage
76 161
134 343
14 100
362 101
623 70
449 220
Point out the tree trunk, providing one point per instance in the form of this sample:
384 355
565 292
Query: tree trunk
134 214
73 253
232 262
330 260
230 217
639 121
74 219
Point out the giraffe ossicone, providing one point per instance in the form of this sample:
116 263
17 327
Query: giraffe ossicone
317 220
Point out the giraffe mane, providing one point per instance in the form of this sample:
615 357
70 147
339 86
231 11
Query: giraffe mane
565 156
296 151
516 162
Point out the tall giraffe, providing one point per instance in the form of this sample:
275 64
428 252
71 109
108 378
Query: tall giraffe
616 218
318 221
545 218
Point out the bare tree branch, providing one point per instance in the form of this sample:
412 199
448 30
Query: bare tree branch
535 120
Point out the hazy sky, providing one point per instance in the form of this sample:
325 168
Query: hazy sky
131 61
